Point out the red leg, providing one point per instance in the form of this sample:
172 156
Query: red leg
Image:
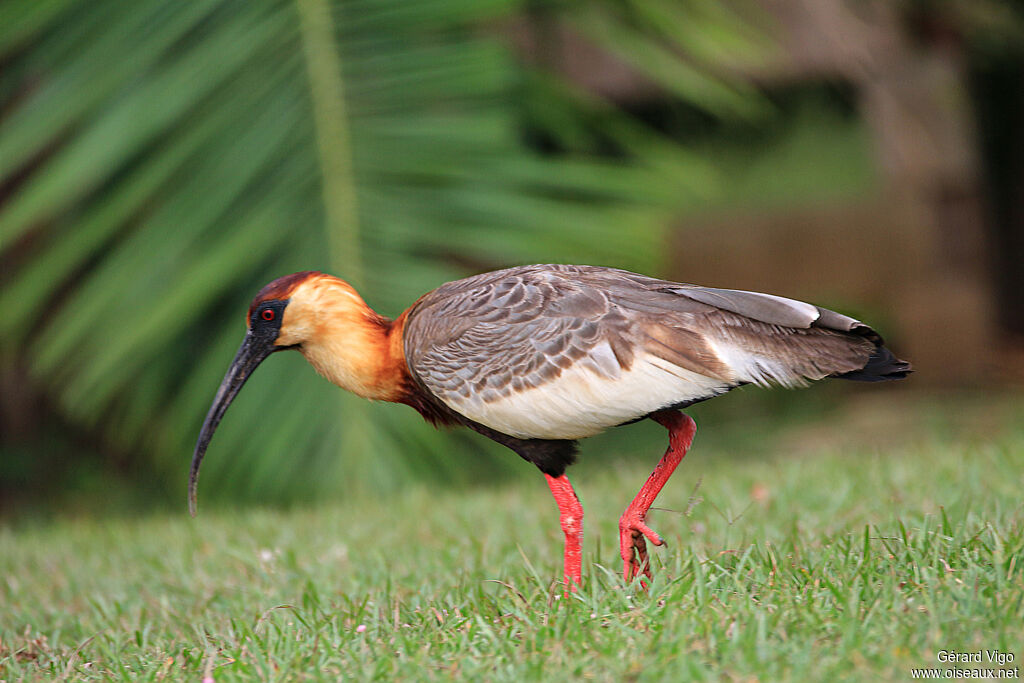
571 514
632 528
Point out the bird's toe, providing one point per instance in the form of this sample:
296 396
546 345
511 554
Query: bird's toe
635 527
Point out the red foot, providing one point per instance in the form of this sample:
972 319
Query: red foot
571 515
632 545
632 526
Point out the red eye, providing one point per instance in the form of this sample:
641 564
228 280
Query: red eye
267 314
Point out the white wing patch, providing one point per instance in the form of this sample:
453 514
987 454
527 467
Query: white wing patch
759 369
582 402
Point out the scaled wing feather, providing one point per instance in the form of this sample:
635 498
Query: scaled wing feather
555 351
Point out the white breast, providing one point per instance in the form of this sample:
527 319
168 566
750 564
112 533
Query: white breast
582 402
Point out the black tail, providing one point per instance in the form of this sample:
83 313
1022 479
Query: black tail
881 366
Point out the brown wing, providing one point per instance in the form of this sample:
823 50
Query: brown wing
537 330
767 339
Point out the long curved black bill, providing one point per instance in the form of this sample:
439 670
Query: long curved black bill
252 352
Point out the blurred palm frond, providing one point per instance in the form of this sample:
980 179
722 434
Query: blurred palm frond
160 161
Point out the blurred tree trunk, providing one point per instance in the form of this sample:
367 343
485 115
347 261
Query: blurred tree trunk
915 95
999 93
928 248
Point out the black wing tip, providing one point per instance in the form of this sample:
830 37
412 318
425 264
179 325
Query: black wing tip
882 366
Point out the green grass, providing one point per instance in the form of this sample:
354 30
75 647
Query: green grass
835 554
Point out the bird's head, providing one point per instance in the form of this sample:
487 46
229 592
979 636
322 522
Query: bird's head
324 318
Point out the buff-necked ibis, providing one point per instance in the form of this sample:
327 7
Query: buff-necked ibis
537 357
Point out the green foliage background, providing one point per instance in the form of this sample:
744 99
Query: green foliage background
161 161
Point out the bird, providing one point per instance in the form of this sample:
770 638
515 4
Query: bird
538 357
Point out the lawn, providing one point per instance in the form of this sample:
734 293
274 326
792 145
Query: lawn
858 546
